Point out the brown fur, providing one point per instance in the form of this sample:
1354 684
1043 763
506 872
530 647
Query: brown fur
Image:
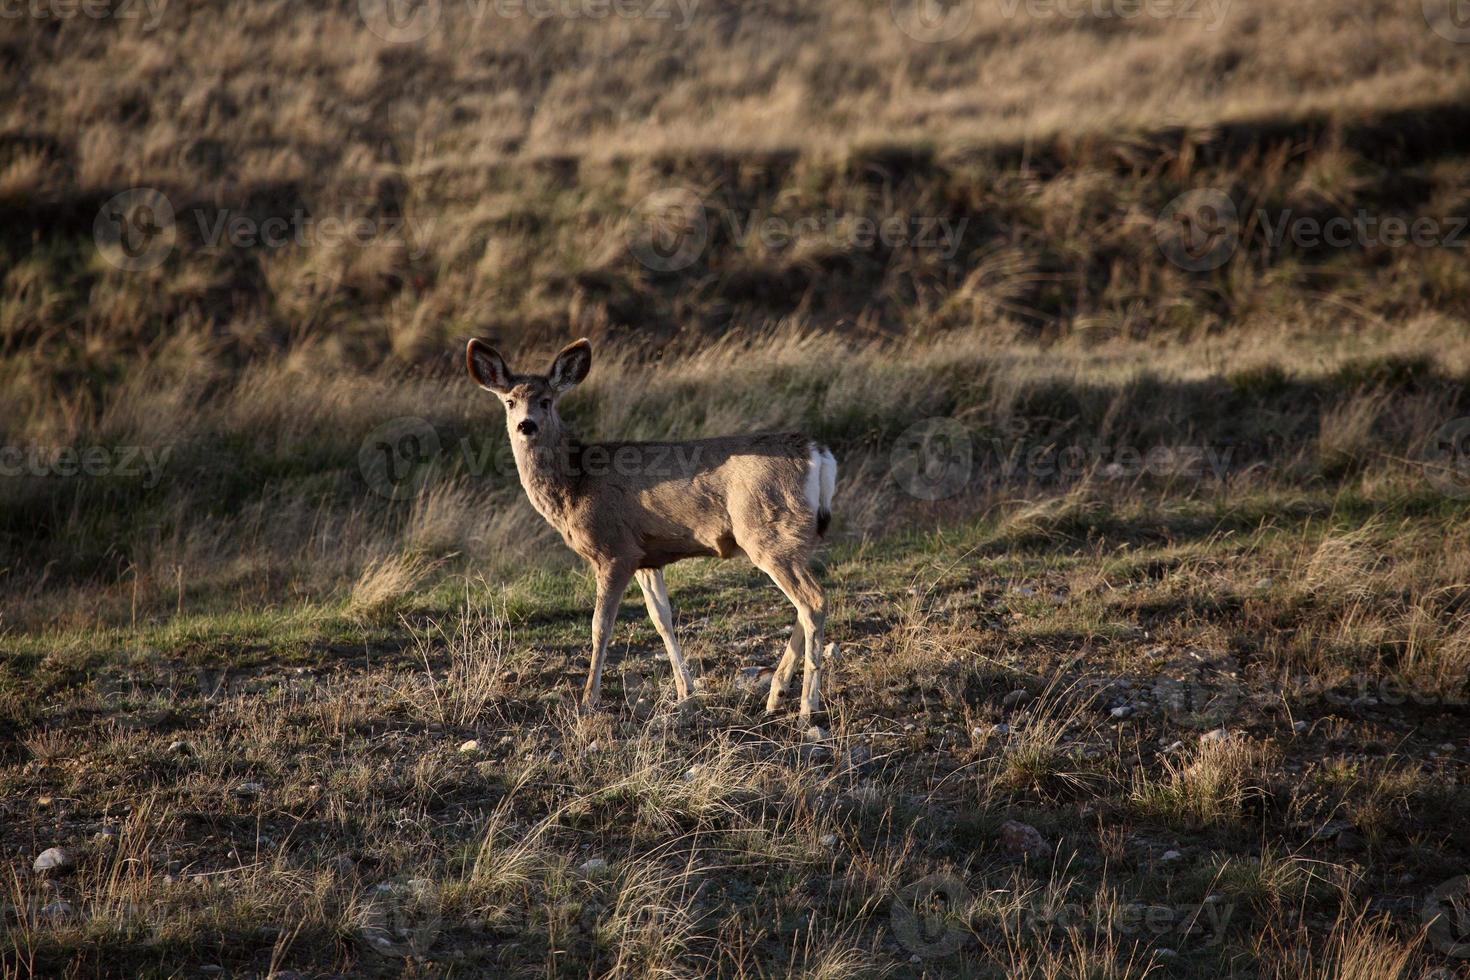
630 508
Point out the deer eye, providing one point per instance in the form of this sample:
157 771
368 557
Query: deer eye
546 403
510 403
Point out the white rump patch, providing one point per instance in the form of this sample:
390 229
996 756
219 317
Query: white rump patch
821 479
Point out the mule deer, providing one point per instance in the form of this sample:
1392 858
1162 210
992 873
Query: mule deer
631 508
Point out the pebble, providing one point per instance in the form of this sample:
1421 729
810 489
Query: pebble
249 789
1170 856
1016 698
1298 726
754 680
60 909
1021 839
593 866
1122 711
1215 735
1000 729
827 840
180 747
52 859
469 745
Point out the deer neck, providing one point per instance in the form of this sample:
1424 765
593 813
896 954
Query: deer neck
547 475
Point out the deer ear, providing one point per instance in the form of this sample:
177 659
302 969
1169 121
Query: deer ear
487 367
571 365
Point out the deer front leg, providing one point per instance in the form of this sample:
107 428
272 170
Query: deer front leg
661 611
612 582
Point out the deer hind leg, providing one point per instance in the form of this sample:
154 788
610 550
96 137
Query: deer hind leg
795 579
786 667
661 611
612 582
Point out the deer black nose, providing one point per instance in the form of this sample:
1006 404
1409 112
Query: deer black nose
526 428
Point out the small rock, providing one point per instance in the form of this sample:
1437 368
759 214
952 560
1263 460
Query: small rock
1016 698
44 801
1350 841
60 909
469 746
52 860
1215 735
592 867
1022 840
754 680
1122 711
1000 729
1170 856
827 840
249 789
211 969
815 733
1298 726
1263 583
1174 746
1165 953
180 747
